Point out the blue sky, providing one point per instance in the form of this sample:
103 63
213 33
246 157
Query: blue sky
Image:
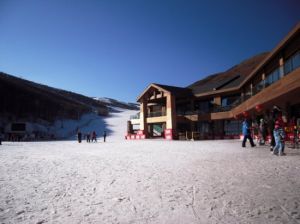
116 48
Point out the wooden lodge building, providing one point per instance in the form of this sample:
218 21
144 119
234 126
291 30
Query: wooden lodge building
214 107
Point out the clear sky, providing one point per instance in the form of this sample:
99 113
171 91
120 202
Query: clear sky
116 48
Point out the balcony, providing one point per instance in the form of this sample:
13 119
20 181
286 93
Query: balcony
136 116
156 114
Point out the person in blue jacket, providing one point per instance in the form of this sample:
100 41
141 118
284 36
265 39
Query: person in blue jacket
247 133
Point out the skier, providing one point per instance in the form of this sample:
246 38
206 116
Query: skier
79 135
104 136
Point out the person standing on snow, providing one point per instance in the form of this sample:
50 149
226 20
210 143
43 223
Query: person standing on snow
104 136
79 136
262 132
247 133
94 136
279 136
88 137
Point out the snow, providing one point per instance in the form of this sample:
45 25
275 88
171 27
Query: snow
103 99
67 129
146 181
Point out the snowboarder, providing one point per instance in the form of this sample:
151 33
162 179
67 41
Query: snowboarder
94 136
79 135
104 136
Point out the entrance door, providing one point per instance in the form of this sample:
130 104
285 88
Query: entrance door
157 129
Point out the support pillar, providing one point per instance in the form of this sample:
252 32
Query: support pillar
171 117
281 67
263 78
143 117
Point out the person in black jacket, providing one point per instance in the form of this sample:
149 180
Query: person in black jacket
79 136
104 136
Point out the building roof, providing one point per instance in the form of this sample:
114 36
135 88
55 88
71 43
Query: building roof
247 69
220 81
176 91
228 79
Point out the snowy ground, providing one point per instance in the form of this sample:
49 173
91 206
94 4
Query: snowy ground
147 181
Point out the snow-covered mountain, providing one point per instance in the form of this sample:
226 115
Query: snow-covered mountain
40 110
116 103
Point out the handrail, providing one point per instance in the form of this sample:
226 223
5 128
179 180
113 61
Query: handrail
157 114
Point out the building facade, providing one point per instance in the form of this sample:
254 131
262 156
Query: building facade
213 108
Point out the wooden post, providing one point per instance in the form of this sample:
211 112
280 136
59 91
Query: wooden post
281 67
263 77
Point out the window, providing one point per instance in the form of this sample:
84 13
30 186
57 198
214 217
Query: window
203 127
232 127
203 106
258 87
272 77
296 60
229 100
288 66
292 63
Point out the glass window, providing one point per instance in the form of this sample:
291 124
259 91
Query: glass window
296 61
273 77
224 102
229 100
203 106
232 127
292 63
203 127
288 67
276 75
269 80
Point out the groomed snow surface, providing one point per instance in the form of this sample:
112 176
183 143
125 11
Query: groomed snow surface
147 181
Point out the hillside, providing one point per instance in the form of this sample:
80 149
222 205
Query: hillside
25 100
